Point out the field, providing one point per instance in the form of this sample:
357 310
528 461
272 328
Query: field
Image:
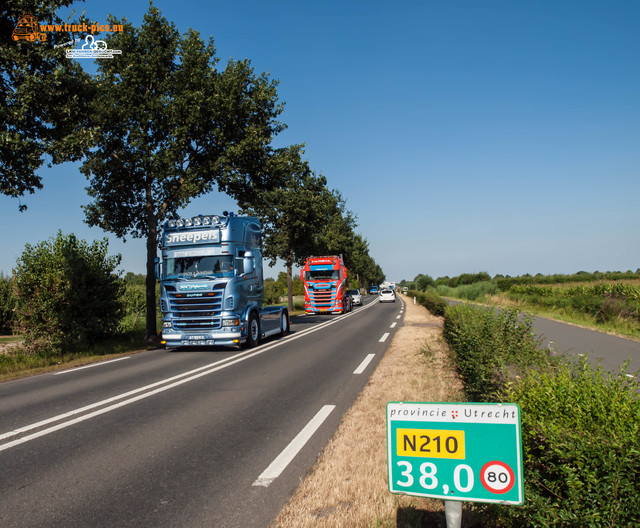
612 306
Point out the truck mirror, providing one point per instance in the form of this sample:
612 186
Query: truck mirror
248 263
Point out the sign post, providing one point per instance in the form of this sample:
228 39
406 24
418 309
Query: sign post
455 451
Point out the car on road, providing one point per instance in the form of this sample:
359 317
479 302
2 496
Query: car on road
356 297
387 295
373 290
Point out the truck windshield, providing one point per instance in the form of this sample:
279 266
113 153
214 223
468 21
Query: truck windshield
323 275
188 267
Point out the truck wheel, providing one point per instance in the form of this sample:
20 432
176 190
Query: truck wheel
253 332
284 323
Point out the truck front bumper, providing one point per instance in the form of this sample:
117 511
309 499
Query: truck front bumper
232 337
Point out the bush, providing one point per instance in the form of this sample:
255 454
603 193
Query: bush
430 300
581 447
7 305
67 293
273 290
491 347
134 302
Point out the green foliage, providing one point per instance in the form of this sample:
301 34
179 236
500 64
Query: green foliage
134 303
491 347
169 126
469 278
430 300
423 281
273 290
580 426
297 286
581 447
471 292
7 305
131 278
302 217
67 293
506 283
43 99
605 302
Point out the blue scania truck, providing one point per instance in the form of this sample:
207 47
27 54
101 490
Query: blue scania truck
212 284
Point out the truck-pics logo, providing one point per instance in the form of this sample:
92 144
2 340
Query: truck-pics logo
27 28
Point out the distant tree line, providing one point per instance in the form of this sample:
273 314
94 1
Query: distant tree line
504 282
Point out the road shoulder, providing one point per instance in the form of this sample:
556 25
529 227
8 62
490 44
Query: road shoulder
348 485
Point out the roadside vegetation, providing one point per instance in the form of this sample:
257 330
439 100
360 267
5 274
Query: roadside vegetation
580 425
65 305
606 301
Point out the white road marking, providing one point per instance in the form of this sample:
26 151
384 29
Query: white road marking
169 383
288 454
384 337
393 325
399 316
364 364
90 366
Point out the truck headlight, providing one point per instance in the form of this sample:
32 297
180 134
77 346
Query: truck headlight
230 322
166 324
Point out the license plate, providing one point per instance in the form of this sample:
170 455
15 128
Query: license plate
197 337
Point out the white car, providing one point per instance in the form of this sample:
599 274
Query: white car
356 297
387 295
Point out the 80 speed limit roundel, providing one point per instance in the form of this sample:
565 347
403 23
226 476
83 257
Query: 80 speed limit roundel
497 477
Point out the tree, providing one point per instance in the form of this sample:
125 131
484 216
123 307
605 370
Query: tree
7 305
294 214
168 127
423 281
272 291
337 235
67 292
44 99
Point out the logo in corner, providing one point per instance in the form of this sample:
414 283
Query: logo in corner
27 28
93 49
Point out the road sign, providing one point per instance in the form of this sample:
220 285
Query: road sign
455 451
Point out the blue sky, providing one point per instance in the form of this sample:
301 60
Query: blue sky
498 136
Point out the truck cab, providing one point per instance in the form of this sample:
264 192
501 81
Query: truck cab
325 285
211 283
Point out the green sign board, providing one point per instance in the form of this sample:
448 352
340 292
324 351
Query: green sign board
455 451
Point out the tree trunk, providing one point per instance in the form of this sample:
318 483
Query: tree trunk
290 285
152 239
151 330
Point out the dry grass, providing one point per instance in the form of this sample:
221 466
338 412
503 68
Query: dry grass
348 486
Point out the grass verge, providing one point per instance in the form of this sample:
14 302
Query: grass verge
14 363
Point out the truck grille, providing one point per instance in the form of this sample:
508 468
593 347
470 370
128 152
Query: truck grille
196 311
323 298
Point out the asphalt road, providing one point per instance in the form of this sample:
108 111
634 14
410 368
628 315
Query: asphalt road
184 438
604 349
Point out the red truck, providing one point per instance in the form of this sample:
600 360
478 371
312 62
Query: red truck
325 285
